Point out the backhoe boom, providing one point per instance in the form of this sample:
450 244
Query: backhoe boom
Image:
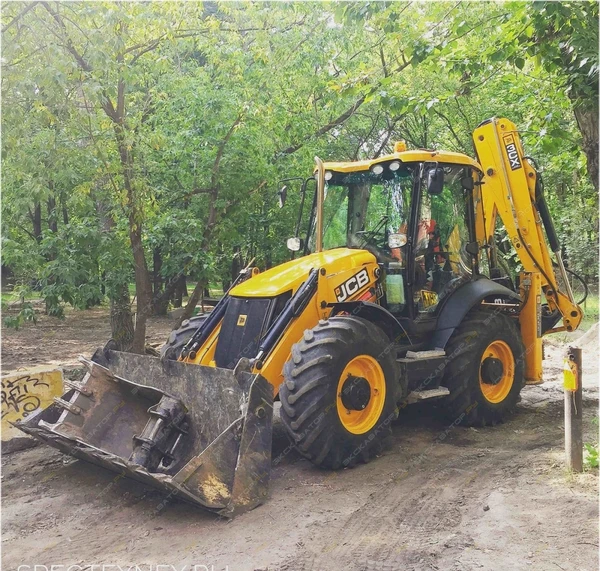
511 189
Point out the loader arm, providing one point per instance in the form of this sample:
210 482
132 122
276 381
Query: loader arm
511 189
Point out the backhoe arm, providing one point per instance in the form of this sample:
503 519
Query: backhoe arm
511 189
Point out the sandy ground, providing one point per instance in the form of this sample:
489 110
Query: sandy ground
60 341
439 497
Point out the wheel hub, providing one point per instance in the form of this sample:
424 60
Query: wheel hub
356 393
492 371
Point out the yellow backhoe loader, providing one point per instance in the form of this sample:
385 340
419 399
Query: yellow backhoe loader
399 294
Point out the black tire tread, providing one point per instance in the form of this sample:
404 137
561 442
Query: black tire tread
308 393
179 337
462 372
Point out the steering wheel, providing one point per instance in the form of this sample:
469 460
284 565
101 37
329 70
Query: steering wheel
375 237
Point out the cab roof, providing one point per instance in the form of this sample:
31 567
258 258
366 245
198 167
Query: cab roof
412 156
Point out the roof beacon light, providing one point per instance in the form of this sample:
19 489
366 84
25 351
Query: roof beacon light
400 146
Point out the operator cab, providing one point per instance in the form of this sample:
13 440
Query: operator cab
414 216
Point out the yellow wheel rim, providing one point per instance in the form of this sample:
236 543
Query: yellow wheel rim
496 392
361 421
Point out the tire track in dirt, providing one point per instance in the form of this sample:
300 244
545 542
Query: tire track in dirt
391 529
416 505
426 515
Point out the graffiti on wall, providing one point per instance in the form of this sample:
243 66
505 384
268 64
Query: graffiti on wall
26 392
20 395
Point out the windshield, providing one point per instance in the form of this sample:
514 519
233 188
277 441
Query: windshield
362 209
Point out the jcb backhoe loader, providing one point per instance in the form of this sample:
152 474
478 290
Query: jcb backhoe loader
400 296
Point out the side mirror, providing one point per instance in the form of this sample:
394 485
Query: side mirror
467 183
396 240
435 181
294 244
282 195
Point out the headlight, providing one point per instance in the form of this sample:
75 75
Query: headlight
328 175
394 166
377 169
294 244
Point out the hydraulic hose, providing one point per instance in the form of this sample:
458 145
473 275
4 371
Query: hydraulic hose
542 207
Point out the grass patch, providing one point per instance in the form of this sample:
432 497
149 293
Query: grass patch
215 290
590 306
15 296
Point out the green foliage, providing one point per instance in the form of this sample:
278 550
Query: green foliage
215 103
26 314
590 458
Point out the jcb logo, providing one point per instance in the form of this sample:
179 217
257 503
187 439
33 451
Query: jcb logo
512 153
352 285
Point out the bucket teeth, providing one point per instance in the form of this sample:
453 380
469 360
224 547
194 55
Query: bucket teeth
72 408
77 387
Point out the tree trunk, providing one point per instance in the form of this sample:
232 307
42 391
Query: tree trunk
587 121
121 320
160 300
156 267
210 222
65 213
191 304
143 285
36 221
52 214
180 291
160 305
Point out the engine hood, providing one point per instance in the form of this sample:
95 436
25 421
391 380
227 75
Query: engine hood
290 275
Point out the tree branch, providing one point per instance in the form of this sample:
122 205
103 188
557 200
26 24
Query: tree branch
389 132
461 147
326 128
189 194
83 64
19 15
363 140
215 170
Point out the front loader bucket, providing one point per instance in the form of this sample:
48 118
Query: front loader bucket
201 434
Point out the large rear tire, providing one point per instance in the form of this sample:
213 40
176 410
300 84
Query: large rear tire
340 391
485 373
179 337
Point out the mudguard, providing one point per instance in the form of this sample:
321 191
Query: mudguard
376 314
460 302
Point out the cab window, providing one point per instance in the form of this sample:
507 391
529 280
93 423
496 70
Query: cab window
441 260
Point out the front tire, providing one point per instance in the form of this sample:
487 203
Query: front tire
485 373
340 392
178 338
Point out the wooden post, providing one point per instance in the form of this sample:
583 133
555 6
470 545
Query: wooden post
573 411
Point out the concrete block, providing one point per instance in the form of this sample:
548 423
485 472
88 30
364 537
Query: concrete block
23 393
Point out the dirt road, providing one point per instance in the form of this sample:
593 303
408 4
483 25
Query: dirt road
440 497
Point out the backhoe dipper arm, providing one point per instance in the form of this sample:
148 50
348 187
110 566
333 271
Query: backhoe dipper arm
511 189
